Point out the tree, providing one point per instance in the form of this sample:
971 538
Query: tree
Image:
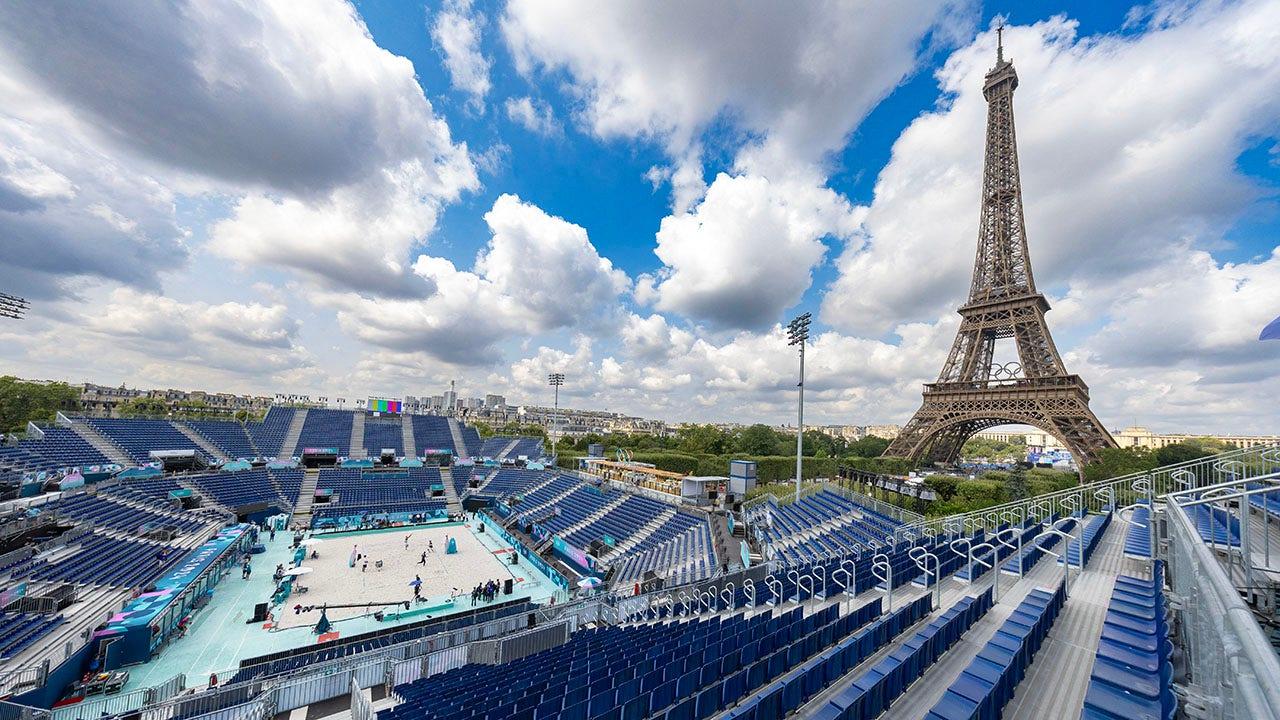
1114 462
483 428
943 485
1016 485
1181 452
22 402
868 447
759 440
701 439
143 406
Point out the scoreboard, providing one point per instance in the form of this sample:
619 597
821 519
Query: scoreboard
383 405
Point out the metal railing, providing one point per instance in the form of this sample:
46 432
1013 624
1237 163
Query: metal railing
1115 492
1234 673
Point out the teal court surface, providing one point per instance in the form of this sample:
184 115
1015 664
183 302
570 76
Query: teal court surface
219 635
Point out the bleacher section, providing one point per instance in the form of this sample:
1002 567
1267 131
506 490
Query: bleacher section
873 691
678 671
359 493
103 560
59 448
382 433
245 488
987 685
493 446
326 429
823 525
18 631
496 447
1132 673
432 431
687 557
471 438
108 513
268 434
513 481
302 657
527 447
229 437
139 436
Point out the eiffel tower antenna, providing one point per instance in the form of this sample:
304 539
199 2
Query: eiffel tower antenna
973 392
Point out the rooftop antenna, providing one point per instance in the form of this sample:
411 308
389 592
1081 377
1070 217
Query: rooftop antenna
1000 43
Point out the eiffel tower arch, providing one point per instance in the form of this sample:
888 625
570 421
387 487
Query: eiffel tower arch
974 392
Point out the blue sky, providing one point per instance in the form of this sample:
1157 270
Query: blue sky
376 198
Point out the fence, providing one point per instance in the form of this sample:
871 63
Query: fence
514 647
1234 671
120 704
361 707
1114 492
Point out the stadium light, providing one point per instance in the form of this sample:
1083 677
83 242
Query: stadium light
555 380
797 334
12 306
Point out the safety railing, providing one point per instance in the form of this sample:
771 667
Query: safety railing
1241 464
1234 671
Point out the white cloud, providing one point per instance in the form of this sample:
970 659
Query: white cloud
1189 311
1128 145
288 110
748 377
157 341
532 114
538 273
801 74
747 251
456 32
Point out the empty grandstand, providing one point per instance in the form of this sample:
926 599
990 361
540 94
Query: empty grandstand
626 603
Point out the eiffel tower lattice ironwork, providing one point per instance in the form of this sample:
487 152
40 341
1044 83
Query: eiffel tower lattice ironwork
973 392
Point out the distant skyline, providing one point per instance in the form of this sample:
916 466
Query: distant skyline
375 198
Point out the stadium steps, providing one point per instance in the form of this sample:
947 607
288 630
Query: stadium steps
93 604
113 452
1050 668
306 496
459 445
608 508
450 492
214 451
289 446
1056 685
406 436
549 503
510 448
356 446
642 534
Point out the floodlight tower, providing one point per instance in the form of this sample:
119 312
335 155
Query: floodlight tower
12 306
797 334
555 380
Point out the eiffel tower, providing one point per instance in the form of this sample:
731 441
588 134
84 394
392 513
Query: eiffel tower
973 392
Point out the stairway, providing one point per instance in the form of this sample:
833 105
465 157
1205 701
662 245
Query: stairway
608 508
214 451
406 436
101 443
289 446
643 533
356 448
722 542
459 445
450 492
540 506
510 448
302 512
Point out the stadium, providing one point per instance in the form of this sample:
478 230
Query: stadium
604 594
402 562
